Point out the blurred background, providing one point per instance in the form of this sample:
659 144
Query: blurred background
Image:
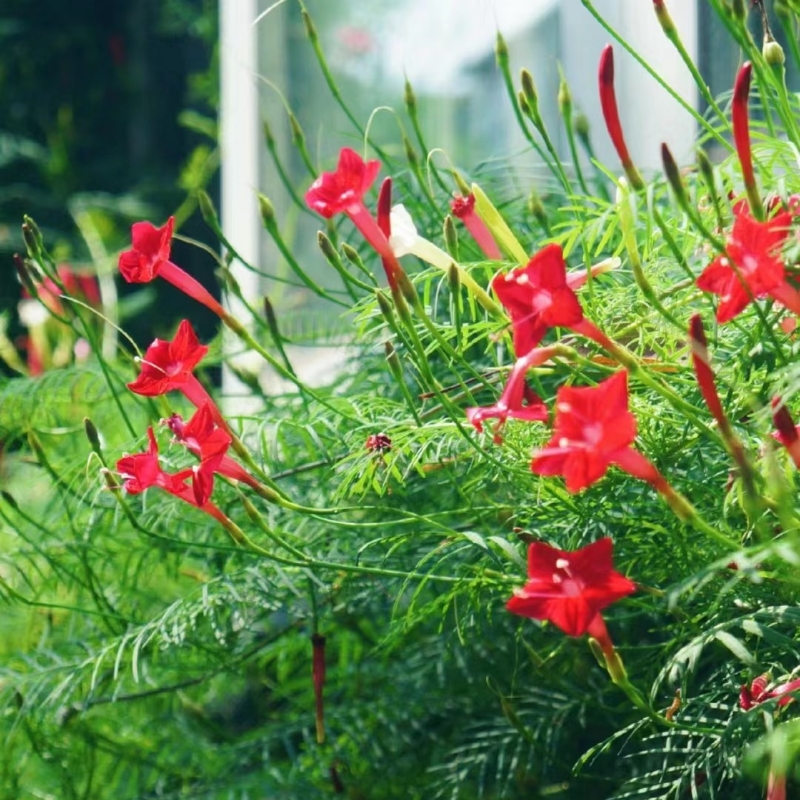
110 113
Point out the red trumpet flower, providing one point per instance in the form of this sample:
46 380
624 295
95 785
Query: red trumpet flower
518 400
464 209
752 266
593 430
758 692
209 442
570 589
167 366
342 192
142 471
149 258
539 296
608 104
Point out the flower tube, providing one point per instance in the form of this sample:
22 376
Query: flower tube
167 366
405 240
464 209
142 471
518 400
149 258
342 192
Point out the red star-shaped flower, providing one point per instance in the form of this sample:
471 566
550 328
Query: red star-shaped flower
755 249
593 429
537 297
149 258
151 249
343 191
142 471
758 692
167 366
570 589
203 437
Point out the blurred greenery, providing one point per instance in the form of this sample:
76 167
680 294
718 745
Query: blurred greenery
102 110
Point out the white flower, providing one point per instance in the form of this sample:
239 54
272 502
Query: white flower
404 236
32 313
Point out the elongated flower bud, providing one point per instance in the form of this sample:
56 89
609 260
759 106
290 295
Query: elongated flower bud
741 137
385 207
787 432
673 175
702 369
564 100
24 274
410 98
501 50
701 361
529 91
664 18
608 103
450 236
33 242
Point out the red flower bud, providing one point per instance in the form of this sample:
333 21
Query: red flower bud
741 136
608 103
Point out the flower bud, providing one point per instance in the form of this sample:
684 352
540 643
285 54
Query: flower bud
664 18
33 242
564 100
529 89
298 137
411 156
706 170
773 53
272 321
386 309
24 274
410 99
501 50
450 236
393 360
267 211
673 175
454 279
93 435
351 254
207 210
268 137
582 127
461 184
311 31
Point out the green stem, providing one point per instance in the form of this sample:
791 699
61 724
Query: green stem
699 118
